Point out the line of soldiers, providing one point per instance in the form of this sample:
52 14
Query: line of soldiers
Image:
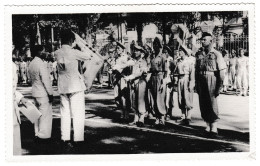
144 82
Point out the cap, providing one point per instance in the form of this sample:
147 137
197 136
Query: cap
120 45
139 48
157 40
204 34
111 50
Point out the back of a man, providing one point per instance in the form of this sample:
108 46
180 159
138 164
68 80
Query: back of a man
70 80
42 93
39 84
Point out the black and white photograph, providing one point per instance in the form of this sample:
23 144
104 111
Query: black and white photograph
142 82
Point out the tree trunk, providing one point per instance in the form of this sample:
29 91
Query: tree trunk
139 29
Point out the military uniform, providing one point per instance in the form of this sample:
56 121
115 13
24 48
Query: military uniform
186 82
208 83
138 89
157 87
111 61
121 86
169 88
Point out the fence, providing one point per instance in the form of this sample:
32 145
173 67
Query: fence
235 42
230 41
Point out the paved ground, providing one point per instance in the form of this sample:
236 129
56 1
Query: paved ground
105 133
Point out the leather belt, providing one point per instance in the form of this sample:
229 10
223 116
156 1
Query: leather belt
207 72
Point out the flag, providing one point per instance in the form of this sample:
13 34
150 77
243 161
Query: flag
90 67
38 35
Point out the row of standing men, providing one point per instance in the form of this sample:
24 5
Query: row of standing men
145 88
145 84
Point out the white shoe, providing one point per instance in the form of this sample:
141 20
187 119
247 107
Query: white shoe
208 127
156 121
214 128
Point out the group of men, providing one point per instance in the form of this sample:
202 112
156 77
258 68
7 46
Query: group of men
237 72
71 87
145 82
142 82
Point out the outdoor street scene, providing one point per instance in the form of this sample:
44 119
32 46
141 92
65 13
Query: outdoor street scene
131 83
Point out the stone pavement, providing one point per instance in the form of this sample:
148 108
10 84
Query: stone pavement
102 117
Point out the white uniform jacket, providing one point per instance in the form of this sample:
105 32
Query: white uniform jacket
69 78
40 76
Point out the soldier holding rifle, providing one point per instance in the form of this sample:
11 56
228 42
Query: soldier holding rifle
122 91
157 83
138 87
186 82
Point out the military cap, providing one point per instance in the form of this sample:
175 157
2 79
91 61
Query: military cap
204 34
139 48
120 45
157 40
111 50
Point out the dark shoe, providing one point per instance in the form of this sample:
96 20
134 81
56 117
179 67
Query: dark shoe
39 140
188 121
183 122
132 123
140 124
68 147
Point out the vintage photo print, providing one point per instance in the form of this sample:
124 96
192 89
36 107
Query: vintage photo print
150 81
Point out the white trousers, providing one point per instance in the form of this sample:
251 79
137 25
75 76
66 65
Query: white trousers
43 126
72 106
17 149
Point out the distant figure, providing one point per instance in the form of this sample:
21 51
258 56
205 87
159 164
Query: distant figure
242 72
232 70
23 69
226 59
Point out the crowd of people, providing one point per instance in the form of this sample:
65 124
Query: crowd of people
143 81
22 67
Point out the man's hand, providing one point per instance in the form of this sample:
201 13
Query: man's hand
50 98
191 86
23 101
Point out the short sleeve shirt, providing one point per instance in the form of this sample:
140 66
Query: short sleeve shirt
213 61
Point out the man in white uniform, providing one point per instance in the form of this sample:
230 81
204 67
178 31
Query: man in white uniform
42 93
71 88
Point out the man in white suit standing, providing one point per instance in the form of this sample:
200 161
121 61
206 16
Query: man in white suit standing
71 88
42 93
